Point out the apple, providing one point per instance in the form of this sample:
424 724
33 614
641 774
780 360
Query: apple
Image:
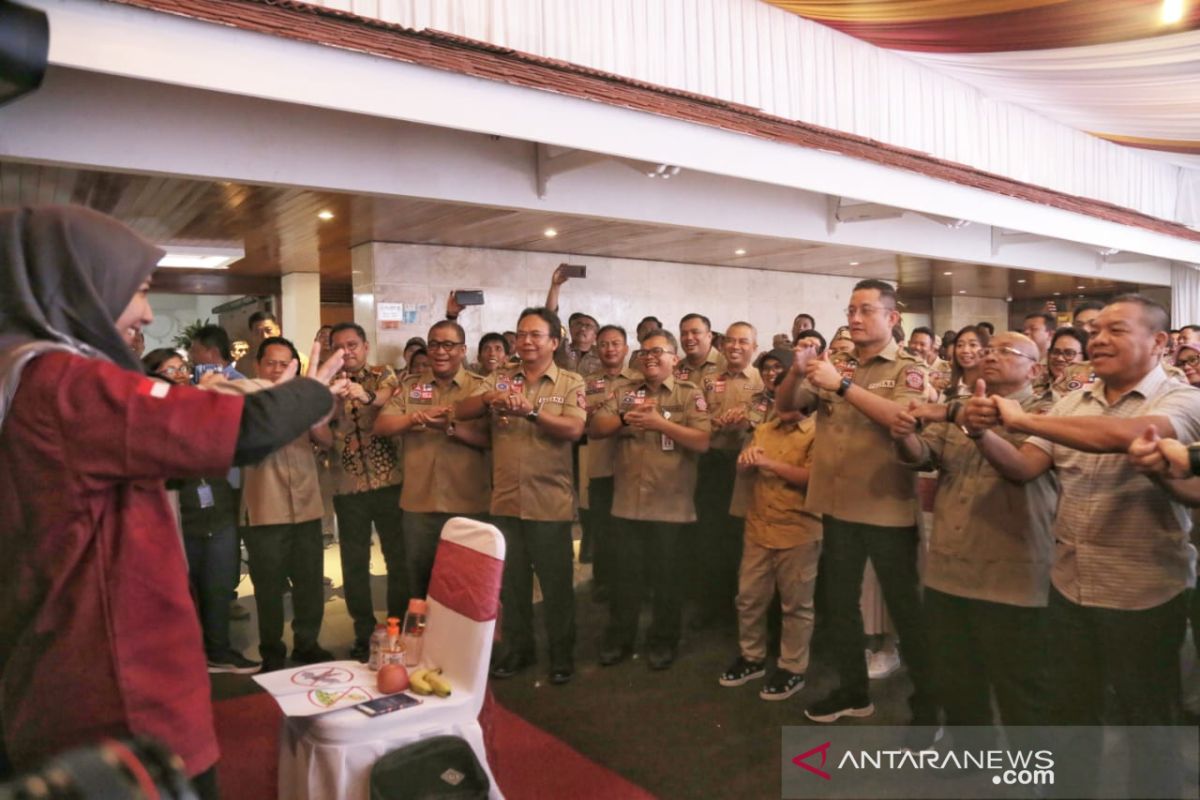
392 678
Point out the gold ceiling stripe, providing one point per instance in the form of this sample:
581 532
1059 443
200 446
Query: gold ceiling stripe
1169 145
884 11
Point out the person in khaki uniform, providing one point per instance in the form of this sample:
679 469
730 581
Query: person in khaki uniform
661 426
987 573
280 521
445 460
367 473
700 359
781 551
537 410
612 344
718 543
1122 560
867 498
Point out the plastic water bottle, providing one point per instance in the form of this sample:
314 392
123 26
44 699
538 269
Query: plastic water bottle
378 642
414 631
392 651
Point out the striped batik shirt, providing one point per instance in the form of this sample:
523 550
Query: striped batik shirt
1121 541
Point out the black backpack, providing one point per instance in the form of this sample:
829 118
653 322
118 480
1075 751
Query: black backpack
437 768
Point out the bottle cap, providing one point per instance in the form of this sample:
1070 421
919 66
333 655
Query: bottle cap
417 605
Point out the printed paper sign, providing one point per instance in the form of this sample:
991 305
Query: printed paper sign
317 688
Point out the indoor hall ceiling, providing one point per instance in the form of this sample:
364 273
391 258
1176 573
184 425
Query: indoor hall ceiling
1124 70
281 230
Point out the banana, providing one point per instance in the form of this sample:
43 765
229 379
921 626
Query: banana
418 681
441 686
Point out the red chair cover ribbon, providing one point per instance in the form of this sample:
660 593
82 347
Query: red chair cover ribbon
466 581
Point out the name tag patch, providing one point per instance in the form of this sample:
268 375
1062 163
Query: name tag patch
888 384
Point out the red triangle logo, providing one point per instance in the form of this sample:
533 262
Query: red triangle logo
801 760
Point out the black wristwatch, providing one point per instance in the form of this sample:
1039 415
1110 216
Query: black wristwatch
532 416
370 398
1194 458
844 386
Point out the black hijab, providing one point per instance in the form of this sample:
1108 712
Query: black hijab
66 274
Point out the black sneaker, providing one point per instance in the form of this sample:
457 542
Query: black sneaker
837 705
781 685
312 655
509 666
741 671
235 663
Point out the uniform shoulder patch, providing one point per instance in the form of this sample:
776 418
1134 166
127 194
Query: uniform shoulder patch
700 402
914 378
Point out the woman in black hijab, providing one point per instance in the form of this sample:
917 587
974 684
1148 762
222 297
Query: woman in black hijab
98 637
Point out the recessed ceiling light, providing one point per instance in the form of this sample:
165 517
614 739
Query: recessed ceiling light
741 251
962 291
549 233
180 257
325 214
1172 11
1020 280
948 273
1080 287
854 263
1056 294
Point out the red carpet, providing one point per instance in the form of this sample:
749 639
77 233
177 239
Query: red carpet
248 730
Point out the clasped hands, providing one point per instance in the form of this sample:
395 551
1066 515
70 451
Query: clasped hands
644 417
816 368
755 458
508 403
1151 454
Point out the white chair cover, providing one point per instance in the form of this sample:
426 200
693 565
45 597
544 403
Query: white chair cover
331 755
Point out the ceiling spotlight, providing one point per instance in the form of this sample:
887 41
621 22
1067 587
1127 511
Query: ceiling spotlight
854 263
1172 11
1020 280
947 273
1056 294
325 214
1080 287
741 251
962 291
549 233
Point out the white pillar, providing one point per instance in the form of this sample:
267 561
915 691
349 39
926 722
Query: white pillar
300 314
1185 294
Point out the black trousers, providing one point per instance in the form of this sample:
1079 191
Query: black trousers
645 553
893 553
978 647
1137 654
544 548
355 514
717 543
600 526
422 533
278 553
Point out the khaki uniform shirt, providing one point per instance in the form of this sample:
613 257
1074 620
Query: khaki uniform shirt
725 391
568 358
856 476
601 453
532 474
361 460
1121 541
991 537
776 517
284 487
714 362
444 474
655 478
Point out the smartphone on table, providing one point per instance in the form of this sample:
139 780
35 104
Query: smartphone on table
386 705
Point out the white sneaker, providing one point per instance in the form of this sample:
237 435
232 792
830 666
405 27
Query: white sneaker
882 663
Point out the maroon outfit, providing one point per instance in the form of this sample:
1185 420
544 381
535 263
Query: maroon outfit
98 635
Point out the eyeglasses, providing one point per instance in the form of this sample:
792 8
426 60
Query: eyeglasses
535 336
1190 361
447 346
610 344
657 352
176 370
996 351
863 311
1071 354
